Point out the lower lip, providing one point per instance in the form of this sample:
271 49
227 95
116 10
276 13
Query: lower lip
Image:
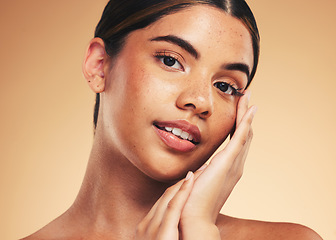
174 142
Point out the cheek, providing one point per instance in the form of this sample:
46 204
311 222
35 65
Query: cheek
223 123
228 120
128 83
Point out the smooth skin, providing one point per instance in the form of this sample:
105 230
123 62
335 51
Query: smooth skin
196 203
133 188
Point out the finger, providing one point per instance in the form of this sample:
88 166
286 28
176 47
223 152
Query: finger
241 158
200 171
242 106
237 143
223 165
158 207
156 215
247 146
175 206
218 180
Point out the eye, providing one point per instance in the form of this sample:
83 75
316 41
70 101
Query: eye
169 61
228 88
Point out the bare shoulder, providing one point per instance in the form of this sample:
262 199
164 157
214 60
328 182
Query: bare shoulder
43 234
235 228
39 235
56 229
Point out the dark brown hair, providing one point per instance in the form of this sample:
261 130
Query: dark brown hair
121 17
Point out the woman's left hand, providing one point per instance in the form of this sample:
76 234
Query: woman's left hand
212 188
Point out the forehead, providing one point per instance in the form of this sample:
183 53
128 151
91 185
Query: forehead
209 30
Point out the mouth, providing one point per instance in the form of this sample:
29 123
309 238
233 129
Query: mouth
179 135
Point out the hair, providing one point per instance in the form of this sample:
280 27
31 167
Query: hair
120 18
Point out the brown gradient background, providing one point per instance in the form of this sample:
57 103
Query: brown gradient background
46 114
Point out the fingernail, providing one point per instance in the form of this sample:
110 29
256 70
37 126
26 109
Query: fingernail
190 173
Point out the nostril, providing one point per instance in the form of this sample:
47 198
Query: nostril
204 114
190 105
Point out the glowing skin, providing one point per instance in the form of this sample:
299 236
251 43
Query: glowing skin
173 82
143 87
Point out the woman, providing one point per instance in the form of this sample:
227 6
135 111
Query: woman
170 78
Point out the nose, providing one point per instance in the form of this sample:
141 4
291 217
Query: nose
198 99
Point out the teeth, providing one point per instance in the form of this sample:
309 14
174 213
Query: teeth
178 132
185 135
168 129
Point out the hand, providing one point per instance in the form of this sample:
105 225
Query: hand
189 208
214 185
161 223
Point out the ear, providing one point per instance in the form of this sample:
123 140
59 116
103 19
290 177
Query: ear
94 64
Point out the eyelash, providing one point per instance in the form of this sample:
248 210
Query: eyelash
235 91
161 55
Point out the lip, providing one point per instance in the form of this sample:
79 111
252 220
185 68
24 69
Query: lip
175 142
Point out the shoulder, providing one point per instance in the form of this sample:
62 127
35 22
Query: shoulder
42 234
56 229
235 228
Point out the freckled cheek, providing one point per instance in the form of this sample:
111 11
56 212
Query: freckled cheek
224 122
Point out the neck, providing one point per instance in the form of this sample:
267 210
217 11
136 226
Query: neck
115 196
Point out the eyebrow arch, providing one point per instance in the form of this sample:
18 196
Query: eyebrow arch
180 42
242 67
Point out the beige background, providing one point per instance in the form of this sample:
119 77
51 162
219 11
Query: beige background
46 112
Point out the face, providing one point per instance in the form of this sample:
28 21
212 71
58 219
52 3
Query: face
171 94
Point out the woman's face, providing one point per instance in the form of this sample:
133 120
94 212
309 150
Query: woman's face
176 80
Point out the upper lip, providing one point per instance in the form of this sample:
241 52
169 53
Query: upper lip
184 126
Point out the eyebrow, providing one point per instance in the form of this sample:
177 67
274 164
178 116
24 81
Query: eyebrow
180 42
242 67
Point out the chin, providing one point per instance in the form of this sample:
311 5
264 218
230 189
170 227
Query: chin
169 177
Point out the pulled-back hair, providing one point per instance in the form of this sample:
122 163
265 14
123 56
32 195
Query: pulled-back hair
121 17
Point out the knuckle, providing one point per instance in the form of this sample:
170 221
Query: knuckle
171 206
251 133
243 140
141 229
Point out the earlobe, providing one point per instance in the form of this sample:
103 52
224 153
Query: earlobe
97 83
94 64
